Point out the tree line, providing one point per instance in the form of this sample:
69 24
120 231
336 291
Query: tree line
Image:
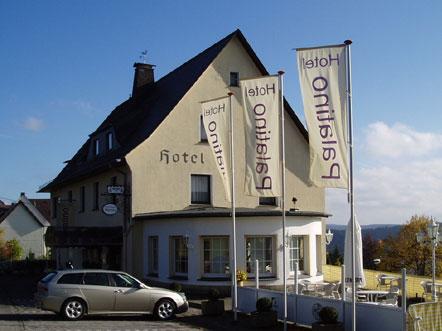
398 251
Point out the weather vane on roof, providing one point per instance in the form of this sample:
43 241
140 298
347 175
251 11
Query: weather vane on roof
143 56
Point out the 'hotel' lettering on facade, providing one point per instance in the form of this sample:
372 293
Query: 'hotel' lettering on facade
167 157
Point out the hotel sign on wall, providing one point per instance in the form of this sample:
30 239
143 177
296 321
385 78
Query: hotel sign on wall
169 157
110 209
115 189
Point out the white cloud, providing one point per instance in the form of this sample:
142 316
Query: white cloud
33 124
405 181
400 140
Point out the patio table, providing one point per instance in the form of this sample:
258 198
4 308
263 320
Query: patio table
372 295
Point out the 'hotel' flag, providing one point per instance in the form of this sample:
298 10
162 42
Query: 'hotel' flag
323 80
216 123
261 111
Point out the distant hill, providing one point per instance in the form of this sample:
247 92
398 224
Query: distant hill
377 231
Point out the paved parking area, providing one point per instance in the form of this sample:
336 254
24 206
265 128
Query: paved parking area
18 313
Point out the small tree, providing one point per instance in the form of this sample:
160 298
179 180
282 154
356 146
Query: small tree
403 250
13 249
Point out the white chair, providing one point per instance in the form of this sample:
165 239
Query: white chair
427 287
390 299
382 282
327 290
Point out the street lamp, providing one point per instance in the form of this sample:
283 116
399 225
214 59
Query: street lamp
328 237
434 239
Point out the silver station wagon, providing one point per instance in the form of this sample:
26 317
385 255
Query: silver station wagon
74 293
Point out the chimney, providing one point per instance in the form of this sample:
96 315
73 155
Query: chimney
143 76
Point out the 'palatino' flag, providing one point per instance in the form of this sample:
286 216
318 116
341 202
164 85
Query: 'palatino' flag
261 110
323 80
216 123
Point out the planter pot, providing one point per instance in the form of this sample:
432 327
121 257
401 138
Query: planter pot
240 283
212 308
266 319
318 326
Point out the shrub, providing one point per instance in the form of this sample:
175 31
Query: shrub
264 305
241 275
328 315
176 287
213 294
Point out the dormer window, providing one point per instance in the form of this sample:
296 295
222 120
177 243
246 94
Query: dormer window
109 141
96 147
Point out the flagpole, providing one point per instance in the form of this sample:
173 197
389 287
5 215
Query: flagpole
232 198
351 191
284 248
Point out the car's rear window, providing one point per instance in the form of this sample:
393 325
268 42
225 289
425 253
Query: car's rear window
48 277
74 278
96 278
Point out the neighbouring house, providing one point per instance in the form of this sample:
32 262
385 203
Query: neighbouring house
27 221
143 193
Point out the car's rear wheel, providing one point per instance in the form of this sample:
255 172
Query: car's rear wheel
73 309
165 309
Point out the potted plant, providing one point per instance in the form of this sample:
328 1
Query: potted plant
214 306
328 320
264 316
241 276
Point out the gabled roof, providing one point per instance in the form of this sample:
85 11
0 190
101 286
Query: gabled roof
29 206
137 118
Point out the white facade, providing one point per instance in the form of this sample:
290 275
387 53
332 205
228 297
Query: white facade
196 229
20 224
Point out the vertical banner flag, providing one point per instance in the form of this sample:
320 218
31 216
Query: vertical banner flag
323 80
261 110
216 123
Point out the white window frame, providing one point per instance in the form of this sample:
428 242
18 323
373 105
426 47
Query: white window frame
223 272
290 249
262 271
153 251
173 258
210 189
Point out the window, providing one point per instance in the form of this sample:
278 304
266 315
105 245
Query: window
109 141
54 207
70 199
96 196
216 255
234 79
203 134
267 201
260 248
153 255
179 256
296 250
76 278
96 147
200 189
123 280
82 199
96 278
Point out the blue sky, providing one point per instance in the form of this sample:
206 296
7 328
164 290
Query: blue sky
66 64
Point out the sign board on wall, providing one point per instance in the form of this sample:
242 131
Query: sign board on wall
110 209
115 189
